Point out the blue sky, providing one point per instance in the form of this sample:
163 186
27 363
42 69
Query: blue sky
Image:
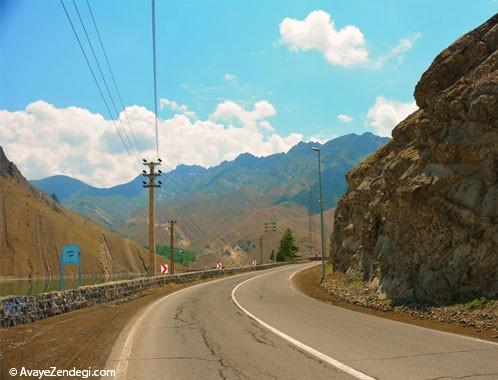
200 42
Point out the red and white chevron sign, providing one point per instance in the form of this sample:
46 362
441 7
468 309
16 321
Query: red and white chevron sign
164 269
219 265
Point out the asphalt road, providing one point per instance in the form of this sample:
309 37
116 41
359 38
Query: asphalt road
257 326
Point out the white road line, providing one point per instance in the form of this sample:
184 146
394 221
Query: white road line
125 352
427 329
122 366
335 363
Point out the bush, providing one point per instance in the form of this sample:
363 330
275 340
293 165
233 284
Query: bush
476 303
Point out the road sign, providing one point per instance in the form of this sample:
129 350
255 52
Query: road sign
219 265
254 263
164 269
70 255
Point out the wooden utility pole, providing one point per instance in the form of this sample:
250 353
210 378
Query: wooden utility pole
151 185
171 246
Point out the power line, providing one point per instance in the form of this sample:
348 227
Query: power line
154 69
103 78
113 78
97 84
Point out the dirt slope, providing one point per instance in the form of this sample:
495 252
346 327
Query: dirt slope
33 229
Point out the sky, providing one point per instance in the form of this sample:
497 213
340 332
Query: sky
232 77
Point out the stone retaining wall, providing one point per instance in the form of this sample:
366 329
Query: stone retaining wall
16 310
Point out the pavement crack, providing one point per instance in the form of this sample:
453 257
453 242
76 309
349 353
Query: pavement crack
174 358
178 313
260 339
224 367
463 377
419 355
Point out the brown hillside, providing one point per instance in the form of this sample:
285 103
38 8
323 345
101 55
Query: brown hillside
227 228
33 229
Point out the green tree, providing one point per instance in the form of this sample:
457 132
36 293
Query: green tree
288 248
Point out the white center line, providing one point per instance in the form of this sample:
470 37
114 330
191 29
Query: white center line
320 355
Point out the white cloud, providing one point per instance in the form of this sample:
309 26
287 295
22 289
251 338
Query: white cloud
45 140
266 126
229 110
398 52
343 47
385 114
230 77
176 107
344 118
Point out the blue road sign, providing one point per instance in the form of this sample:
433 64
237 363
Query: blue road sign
70 254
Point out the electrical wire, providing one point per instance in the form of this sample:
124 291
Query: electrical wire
154 70
97 84
104 80
113 78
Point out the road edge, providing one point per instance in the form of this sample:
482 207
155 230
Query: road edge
303 347
378 314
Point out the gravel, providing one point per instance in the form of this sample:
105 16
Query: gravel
481 314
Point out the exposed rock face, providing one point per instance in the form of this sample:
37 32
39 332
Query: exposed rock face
9 170
420 217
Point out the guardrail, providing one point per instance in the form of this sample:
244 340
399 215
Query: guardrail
16 310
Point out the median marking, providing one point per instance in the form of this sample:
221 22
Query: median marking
320 355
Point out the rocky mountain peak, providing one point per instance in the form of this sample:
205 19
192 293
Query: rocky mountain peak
467 60
9 170
420 217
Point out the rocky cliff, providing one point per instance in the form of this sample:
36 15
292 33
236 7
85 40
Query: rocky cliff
420 217
34 227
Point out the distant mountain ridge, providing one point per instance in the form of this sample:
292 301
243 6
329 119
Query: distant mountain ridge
209 202
292 174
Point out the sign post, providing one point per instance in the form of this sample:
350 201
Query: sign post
70 256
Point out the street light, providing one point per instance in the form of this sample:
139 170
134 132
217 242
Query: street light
316 149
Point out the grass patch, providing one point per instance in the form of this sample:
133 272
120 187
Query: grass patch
476 303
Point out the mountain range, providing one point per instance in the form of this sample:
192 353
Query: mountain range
221 210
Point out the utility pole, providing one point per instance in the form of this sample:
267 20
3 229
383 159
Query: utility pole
151 185
261 249
269 228
316 149
311 226
171 246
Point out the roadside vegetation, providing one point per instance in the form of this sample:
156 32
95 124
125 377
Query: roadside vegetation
181 255
287 250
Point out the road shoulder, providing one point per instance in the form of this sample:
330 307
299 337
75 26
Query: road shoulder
307 282
81 339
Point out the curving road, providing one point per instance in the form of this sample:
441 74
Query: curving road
257 326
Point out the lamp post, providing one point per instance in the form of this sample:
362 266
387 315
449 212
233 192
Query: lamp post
316 149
